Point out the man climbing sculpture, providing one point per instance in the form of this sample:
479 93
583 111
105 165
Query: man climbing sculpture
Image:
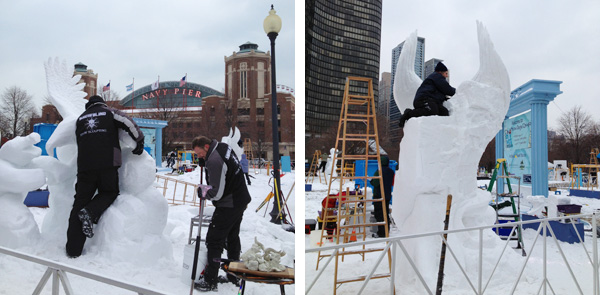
430 97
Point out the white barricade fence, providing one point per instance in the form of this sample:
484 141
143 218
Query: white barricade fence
544 231
59 271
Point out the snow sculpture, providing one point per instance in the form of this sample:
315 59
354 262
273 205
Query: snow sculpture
233 140
332 152
18 176
131 229
259 258
439 156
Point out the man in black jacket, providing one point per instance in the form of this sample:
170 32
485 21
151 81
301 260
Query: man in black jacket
98 161
388 181
230 196
430 96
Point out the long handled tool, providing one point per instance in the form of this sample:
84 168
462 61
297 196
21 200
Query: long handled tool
202 189
197 250
440 281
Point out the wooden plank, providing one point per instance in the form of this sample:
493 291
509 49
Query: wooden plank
362 278
239 267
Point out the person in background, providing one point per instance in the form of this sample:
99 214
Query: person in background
430 97
171 159
323 162
98 161
244 163
388 181
229 194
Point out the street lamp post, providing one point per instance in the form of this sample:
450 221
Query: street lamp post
272 26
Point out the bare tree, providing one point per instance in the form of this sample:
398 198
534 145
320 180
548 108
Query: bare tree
574 126
110 95
16 107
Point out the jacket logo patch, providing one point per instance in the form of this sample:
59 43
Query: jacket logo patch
91 123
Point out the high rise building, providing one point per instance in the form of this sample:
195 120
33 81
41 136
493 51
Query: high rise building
342 39
430 66
383 104
395 113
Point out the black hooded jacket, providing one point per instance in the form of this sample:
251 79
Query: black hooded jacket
97 132
436 87
225 175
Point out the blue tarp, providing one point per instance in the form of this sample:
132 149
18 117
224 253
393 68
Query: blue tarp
359 170
45 131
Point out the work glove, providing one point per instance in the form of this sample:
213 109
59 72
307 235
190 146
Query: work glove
202 190
139 148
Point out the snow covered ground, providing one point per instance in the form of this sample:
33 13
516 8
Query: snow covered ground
18 276
503 279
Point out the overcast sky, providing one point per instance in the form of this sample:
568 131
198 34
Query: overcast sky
536 39
122 40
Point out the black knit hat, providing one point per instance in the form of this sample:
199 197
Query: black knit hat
97 98
440 67
93 100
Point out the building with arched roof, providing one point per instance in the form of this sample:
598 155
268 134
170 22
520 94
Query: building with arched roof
194 109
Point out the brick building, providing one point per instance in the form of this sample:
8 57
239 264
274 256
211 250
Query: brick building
88 77
194 109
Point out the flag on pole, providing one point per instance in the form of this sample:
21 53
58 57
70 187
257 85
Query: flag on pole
106 88
155 85
129 87
182 81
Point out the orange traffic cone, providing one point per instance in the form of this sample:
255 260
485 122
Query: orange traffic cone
353 236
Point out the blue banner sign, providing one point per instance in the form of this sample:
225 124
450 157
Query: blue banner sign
517 146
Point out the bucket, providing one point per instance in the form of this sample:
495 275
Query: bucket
315 238
188 258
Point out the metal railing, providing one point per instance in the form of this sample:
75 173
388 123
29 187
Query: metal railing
59 273
481 285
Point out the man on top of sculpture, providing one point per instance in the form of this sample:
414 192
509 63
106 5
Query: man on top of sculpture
431 95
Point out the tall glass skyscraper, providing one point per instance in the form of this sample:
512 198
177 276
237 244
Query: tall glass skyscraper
342 39
395 113
430 66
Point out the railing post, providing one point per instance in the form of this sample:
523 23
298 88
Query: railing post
595 249
546 223
55 282
480 262
393 278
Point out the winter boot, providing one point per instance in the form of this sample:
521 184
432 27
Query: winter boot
86 222
229 279
204 286
405 117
